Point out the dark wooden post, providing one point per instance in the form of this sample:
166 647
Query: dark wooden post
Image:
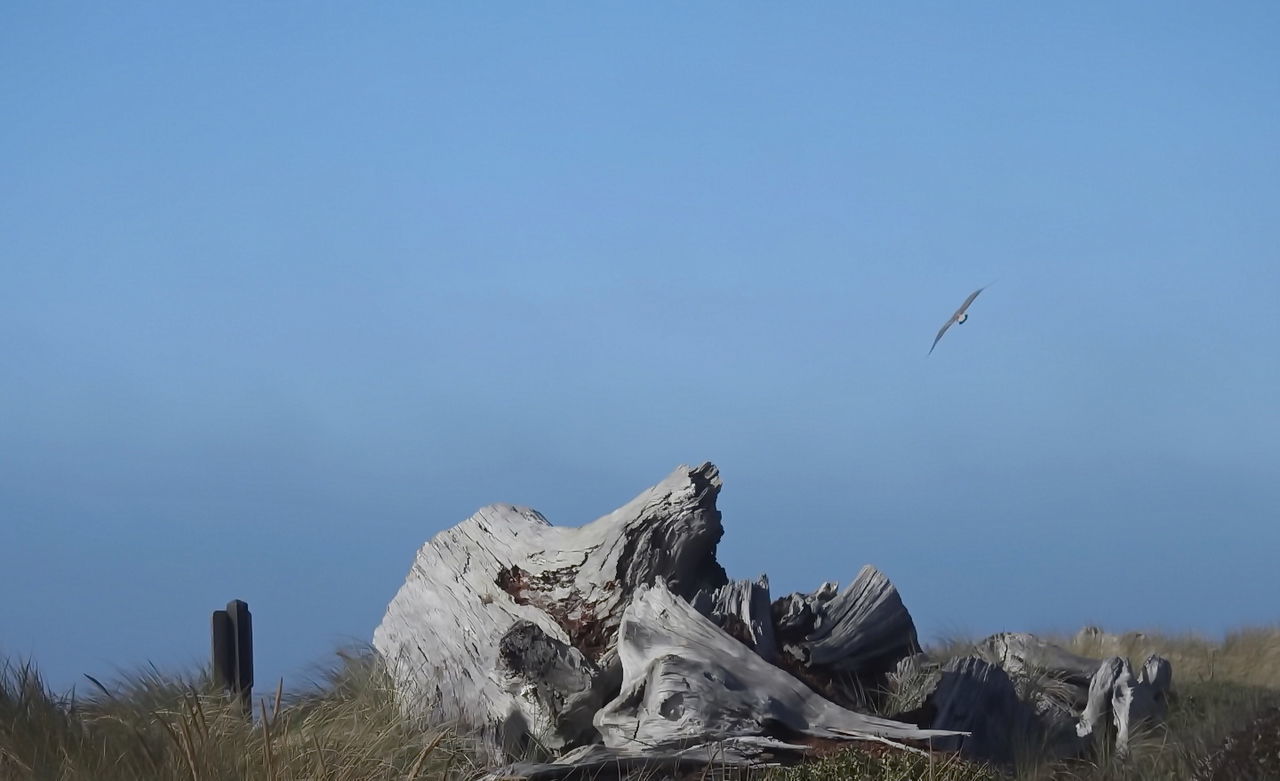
233 651
224 653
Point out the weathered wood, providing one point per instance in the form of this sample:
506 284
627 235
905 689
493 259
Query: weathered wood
865 628
1129 703
685 680
562 688
742 608
1019 652
1051 681
470 584
1157 671
795 613
1141 698
1108 690
1127 700
843 643
979 698
1099 699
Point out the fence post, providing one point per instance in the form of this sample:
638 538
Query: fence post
233 651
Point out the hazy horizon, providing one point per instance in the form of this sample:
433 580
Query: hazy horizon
286 293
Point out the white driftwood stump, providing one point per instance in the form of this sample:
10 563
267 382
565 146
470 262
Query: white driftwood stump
626 635
470 585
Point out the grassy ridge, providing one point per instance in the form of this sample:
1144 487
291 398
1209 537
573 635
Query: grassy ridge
155 726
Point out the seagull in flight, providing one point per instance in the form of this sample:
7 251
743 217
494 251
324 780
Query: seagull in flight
959 317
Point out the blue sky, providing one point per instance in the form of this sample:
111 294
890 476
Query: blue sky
288 289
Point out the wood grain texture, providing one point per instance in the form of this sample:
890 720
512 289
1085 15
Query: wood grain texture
686 680
470 584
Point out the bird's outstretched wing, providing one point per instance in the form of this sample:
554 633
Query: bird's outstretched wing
940 333
968 301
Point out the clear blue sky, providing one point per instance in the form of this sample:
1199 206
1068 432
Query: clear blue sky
287 289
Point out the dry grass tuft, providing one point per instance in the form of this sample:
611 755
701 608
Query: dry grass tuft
150 725
1248 657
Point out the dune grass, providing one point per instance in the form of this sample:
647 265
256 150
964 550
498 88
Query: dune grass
1245 657
152 725
155 726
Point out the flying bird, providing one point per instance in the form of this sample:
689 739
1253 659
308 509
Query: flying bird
959 317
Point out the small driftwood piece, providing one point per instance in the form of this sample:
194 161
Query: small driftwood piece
1157 673
1019 653
1127 699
